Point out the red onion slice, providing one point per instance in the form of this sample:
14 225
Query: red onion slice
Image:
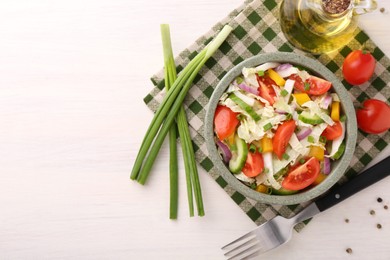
280 112
226 153
303 133
326 102
285 70
283 67
326 169
248 89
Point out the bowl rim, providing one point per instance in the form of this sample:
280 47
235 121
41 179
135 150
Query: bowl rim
351 128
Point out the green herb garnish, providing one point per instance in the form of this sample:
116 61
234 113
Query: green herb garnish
239 80
310 139
307 86
302 161
253 185
343 118
286 156
252 148
267 127
240 117
260 73
284 93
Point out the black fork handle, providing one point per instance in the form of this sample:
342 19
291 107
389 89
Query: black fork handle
340 192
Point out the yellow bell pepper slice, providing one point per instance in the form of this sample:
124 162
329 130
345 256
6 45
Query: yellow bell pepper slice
319 178
230 140
317 152
301 98
335 111
262 188
276 77
266 145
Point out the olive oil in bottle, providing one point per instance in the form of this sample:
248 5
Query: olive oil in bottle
321 26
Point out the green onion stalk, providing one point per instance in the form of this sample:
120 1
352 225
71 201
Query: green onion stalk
166 114
170 77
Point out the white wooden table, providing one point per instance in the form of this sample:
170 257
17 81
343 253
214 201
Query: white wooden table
72 78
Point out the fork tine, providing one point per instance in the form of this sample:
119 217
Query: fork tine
251 233
243 245
246 252
256 253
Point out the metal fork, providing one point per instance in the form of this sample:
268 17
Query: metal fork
278 230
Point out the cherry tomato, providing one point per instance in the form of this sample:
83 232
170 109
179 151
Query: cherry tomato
315 86
374 116
302 176
266 90
358 67
225 122
333 132
254 164
282 137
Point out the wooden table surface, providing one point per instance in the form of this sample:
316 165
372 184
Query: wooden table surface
72 78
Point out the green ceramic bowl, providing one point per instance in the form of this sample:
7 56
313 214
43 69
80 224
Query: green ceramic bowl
338 168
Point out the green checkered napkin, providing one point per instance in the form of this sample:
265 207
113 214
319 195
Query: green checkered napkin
256 30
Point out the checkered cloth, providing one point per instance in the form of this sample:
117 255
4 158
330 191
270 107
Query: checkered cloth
256 30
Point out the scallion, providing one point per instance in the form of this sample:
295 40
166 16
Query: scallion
267 127
252 148
166 114
307 86
170 77
239 80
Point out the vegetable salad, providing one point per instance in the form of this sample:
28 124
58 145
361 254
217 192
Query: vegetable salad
278 128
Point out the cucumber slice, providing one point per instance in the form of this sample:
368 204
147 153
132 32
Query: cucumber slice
339 152
245 107
308 118
239 154
283 191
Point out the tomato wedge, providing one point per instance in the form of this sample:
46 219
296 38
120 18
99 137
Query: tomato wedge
333 132
299 85
315 86
254 164
302 176
266 90
282 137
225 122
318 86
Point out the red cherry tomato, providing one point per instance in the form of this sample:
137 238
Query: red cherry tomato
282 137
254 164
302 176
266 90
225 122
374 116
333 132
316 86
358 67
